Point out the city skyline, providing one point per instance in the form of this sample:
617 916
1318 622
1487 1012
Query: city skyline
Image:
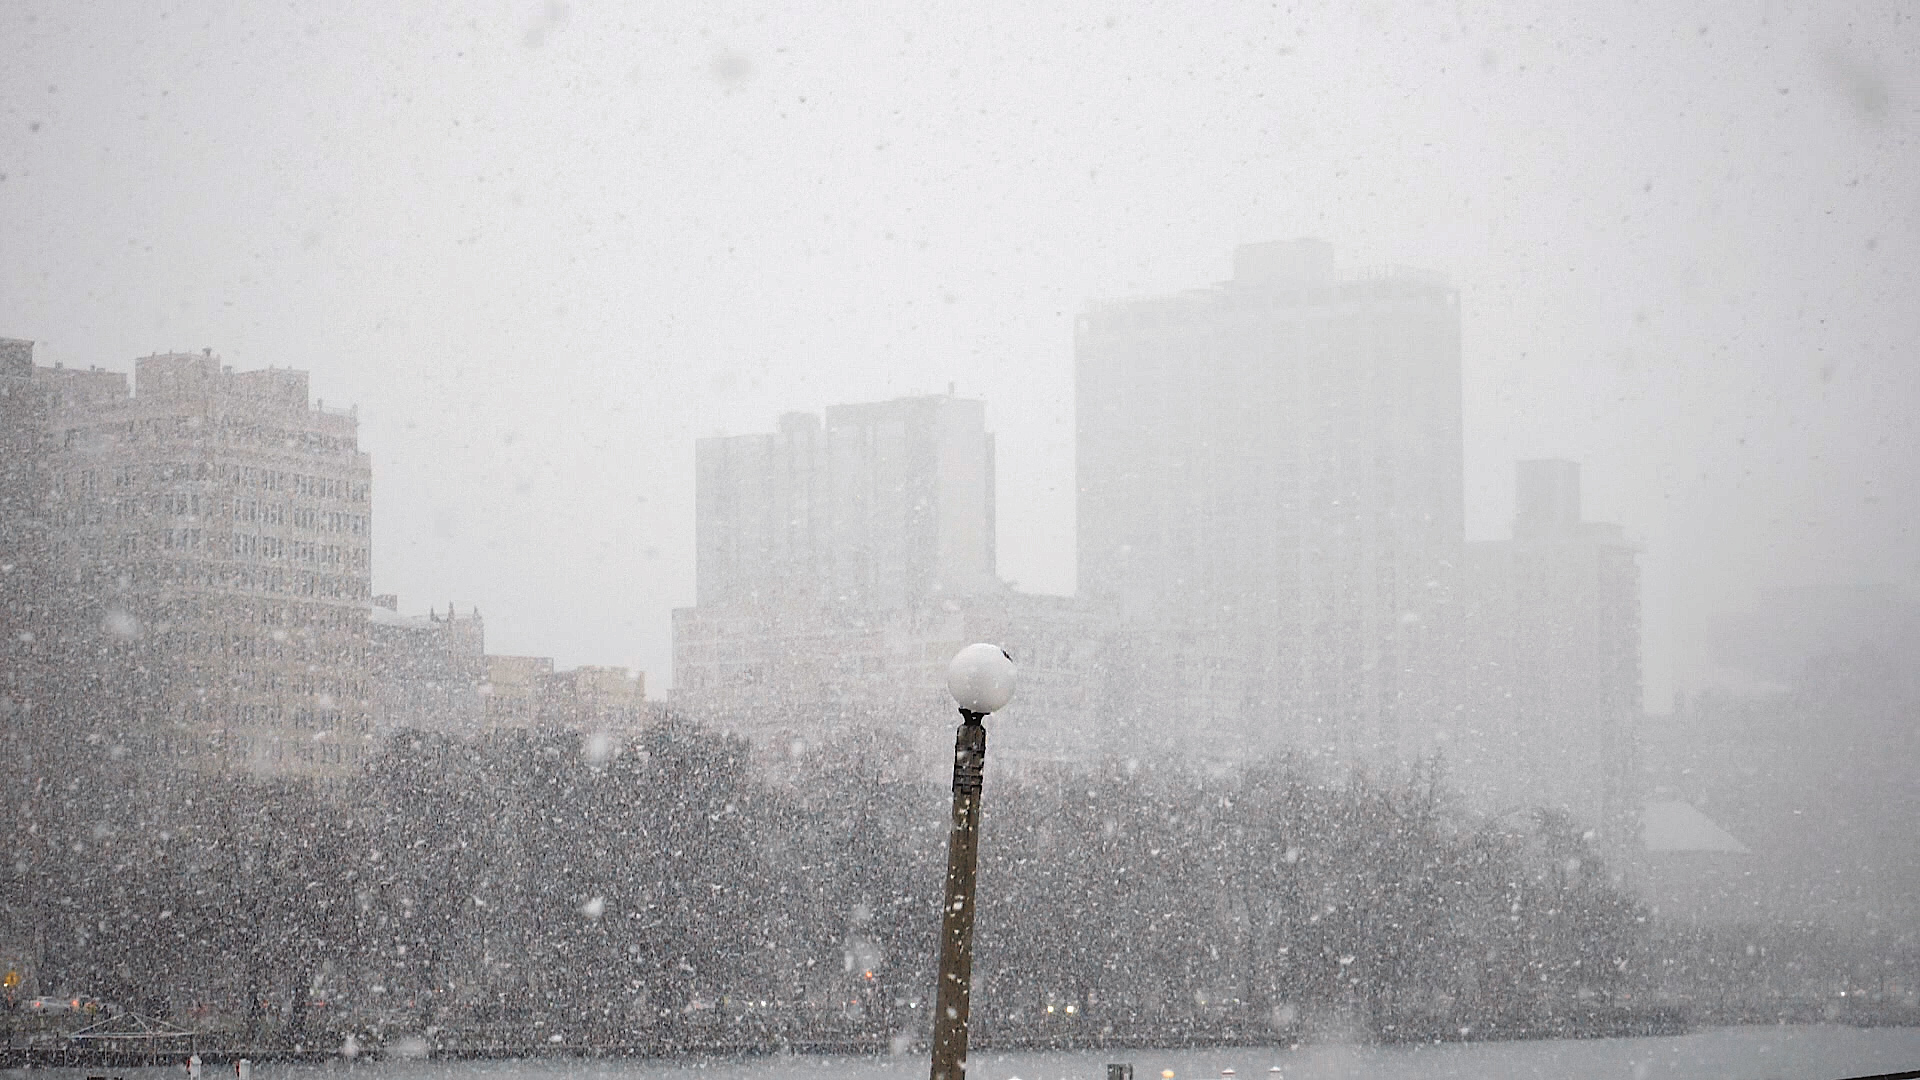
547 256
843 559
661 676
1423 502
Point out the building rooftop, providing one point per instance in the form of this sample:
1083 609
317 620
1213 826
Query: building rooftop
1673 825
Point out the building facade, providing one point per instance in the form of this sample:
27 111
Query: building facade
874 680
1548 685
882 504
1270 499
25 600
1804 750
841 565
425 672
41 637
219 524
526 693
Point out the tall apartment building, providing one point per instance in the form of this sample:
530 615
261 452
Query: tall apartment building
1270 500
886 502
219 522
36 617
1549 683
23 540
841 565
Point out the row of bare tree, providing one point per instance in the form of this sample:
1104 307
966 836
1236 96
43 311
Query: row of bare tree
532 886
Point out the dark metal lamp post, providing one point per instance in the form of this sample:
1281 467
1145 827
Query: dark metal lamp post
981 678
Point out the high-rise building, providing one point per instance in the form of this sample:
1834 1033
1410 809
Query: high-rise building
1270 500
23 507
888 502
1548 684
841 566
221 524
36 617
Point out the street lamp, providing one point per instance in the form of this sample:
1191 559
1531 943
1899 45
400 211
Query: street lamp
981 679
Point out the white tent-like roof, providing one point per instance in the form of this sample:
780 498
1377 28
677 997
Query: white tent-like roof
1674 825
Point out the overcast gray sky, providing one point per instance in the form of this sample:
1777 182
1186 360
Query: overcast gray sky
544 246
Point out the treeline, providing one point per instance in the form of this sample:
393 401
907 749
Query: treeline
549 888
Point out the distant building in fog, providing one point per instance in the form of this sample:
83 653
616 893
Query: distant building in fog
525 693
40 636
887 502
841 565
1807 756
1790 635
1270 499
1548 684
217 524
802 678
433 673
427 672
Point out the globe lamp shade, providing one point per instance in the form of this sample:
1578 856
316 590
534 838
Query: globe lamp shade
981 678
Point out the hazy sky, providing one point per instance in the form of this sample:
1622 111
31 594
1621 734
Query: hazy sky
544 246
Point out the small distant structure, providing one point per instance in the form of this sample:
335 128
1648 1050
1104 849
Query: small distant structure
525 692
425 671
1671 825
1693 870
132 1039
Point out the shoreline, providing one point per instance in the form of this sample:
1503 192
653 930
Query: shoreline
1404 1032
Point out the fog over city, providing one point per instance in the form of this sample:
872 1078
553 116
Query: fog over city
544 247
1429 495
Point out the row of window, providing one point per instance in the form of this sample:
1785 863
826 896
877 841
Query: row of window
190 504
297 440
306 717
338 697
274 548
324 487
239 646
87 481
283 582
224 612
227 611
297 583
246 546
333 521
233 429
277 646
